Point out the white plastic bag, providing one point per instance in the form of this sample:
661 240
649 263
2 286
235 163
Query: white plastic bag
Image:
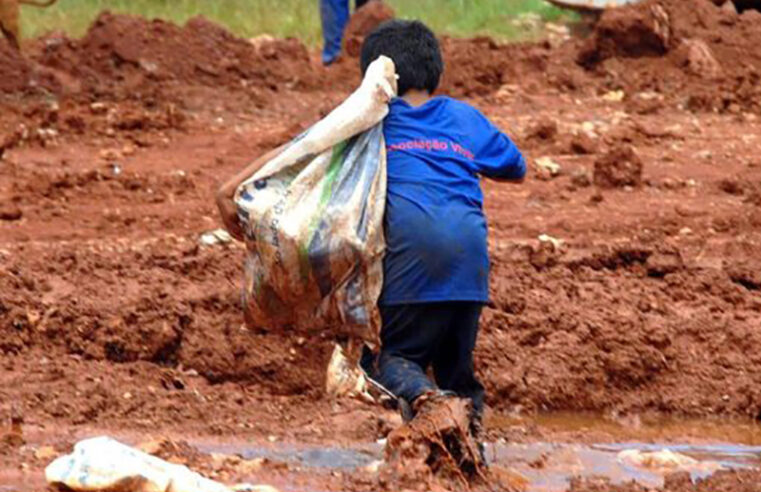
313 219
102 463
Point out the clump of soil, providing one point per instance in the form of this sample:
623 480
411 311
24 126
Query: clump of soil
582 144
543 129
10 211
632 32
435 449
698 59
179 452
618 168
12 438
362 23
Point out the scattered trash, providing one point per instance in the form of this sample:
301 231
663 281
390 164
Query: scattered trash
546 253
664 460
217 236
103 463
261 40
98 108
546 167
613 96
343 379
527 20
555 242
373 467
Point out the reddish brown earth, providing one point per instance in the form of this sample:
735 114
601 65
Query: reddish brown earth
723 481
113 317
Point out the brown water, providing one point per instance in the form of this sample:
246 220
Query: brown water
548 466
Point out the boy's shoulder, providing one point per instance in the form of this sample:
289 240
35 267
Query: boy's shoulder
442 110
457 104
463 109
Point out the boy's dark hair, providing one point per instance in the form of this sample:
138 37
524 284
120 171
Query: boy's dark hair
414 50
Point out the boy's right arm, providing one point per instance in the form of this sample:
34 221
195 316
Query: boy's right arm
228 210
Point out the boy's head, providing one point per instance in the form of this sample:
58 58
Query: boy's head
414 50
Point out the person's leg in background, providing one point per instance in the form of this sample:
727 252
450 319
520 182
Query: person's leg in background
453 359
409 336
334 15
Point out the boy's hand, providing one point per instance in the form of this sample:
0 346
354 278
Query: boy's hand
229 215
227 209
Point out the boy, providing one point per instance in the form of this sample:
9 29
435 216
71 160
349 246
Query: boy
436 267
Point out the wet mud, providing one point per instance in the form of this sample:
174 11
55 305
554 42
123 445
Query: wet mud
643 296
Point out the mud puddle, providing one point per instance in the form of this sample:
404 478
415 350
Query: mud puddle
549 466
708 446
330 457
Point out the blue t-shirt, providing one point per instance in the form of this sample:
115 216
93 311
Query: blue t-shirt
435 227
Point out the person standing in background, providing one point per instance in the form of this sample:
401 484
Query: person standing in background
334 15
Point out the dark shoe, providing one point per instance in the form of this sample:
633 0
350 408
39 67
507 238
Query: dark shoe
405 409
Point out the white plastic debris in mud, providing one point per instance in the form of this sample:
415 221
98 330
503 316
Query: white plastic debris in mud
217 236
102 463
664 460
343 379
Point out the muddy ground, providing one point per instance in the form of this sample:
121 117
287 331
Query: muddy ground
115 319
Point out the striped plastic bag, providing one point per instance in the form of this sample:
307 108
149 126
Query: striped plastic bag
313 219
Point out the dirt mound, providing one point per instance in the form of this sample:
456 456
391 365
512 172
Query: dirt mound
15 69
362 23
676 47
122 54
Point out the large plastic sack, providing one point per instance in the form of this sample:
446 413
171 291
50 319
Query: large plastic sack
313 219
101 463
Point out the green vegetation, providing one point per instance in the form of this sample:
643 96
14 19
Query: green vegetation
298 18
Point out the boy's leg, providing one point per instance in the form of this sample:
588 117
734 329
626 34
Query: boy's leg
409 335
453 359
334 15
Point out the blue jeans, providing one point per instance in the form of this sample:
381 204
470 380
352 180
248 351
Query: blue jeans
441 335
334 15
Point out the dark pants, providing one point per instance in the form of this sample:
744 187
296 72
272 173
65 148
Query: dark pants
334 15
442 335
